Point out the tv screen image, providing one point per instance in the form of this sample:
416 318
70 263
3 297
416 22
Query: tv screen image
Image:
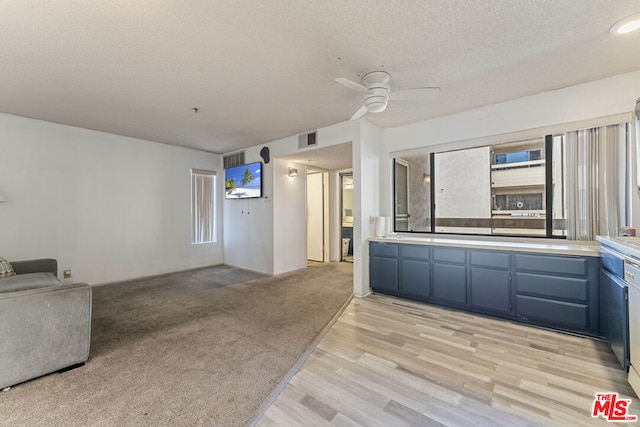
243 182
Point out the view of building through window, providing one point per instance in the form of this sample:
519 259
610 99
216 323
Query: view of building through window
574 184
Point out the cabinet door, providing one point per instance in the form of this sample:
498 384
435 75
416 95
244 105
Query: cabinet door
414 276
383 267
605 305
619 324
614 315
490 289
450 283
384 274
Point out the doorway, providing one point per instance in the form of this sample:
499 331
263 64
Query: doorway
317 216
346 202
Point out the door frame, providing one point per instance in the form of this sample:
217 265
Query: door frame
341 176
325 212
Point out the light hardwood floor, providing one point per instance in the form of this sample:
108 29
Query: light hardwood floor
391 362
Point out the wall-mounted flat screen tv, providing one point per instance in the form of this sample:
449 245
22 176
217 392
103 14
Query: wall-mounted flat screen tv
243 182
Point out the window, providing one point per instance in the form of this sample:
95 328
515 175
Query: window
203 206
571 185
519 187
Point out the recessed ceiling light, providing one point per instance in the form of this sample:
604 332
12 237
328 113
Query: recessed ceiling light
626 25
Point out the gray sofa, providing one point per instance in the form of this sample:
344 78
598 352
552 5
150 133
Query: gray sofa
45 325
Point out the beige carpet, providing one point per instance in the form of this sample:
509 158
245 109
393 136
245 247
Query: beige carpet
204 347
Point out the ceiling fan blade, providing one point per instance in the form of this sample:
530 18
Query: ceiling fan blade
416 94
358 114
351 84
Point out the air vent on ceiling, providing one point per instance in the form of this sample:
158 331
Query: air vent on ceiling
235 159
306 140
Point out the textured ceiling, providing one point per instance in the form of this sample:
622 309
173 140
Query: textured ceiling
262 70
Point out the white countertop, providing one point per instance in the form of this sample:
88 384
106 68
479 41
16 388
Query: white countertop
629 246
522 244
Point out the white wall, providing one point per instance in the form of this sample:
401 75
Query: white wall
252 243
601 98
249 238
105 206
289 218
366 200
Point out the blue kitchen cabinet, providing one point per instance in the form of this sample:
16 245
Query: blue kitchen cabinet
614 306
551 290
490 281
383 267
415 271
450 275
450 283
558 291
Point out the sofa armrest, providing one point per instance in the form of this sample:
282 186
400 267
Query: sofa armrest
43 330
44 265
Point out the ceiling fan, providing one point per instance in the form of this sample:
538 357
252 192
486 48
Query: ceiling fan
376 86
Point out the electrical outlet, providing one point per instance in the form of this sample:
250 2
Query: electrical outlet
67 274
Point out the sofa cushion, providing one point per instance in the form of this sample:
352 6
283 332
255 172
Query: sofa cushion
23 282
6 270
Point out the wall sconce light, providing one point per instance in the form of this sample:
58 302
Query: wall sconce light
426 179
293 172
2 199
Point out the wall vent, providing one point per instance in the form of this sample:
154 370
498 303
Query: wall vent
306 140
235 159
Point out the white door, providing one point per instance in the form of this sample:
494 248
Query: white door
315 217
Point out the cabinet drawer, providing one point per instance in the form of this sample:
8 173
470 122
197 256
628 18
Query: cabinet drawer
384 249
490 259
449 255
552 286
414 251
552 264
556 312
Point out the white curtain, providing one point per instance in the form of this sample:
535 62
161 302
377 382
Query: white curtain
612 140
582 184
594 182
203 206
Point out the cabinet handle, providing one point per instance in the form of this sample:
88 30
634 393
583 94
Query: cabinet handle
629 275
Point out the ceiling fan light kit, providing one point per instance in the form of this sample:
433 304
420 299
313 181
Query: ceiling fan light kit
375 77
376 104
376 85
